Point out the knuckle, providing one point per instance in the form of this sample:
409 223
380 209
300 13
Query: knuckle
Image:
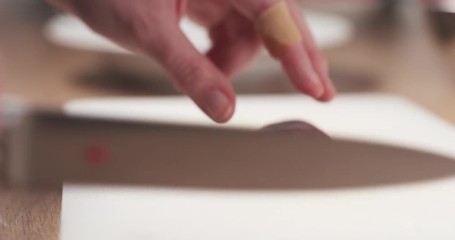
191 74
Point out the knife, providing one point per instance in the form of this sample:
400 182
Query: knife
45 149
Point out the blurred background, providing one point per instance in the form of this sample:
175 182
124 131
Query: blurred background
402 47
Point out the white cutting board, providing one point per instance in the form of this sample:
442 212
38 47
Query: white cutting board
329 30
414 211
368 117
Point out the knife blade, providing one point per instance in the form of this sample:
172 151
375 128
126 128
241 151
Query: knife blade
47 149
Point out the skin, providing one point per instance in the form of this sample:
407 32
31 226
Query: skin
150 27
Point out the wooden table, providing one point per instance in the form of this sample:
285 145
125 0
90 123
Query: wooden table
399 57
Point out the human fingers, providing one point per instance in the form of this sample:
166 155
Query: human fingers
285 42
235 43
194 74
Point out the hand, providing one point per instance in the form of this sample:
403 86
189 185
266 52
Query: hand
151 27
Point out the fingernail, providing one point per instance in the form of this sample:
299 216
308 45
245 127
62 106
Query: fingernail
329 91
216 104
317 86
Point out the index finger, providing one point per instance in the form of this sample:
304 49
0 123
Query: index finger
285 36
318 59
